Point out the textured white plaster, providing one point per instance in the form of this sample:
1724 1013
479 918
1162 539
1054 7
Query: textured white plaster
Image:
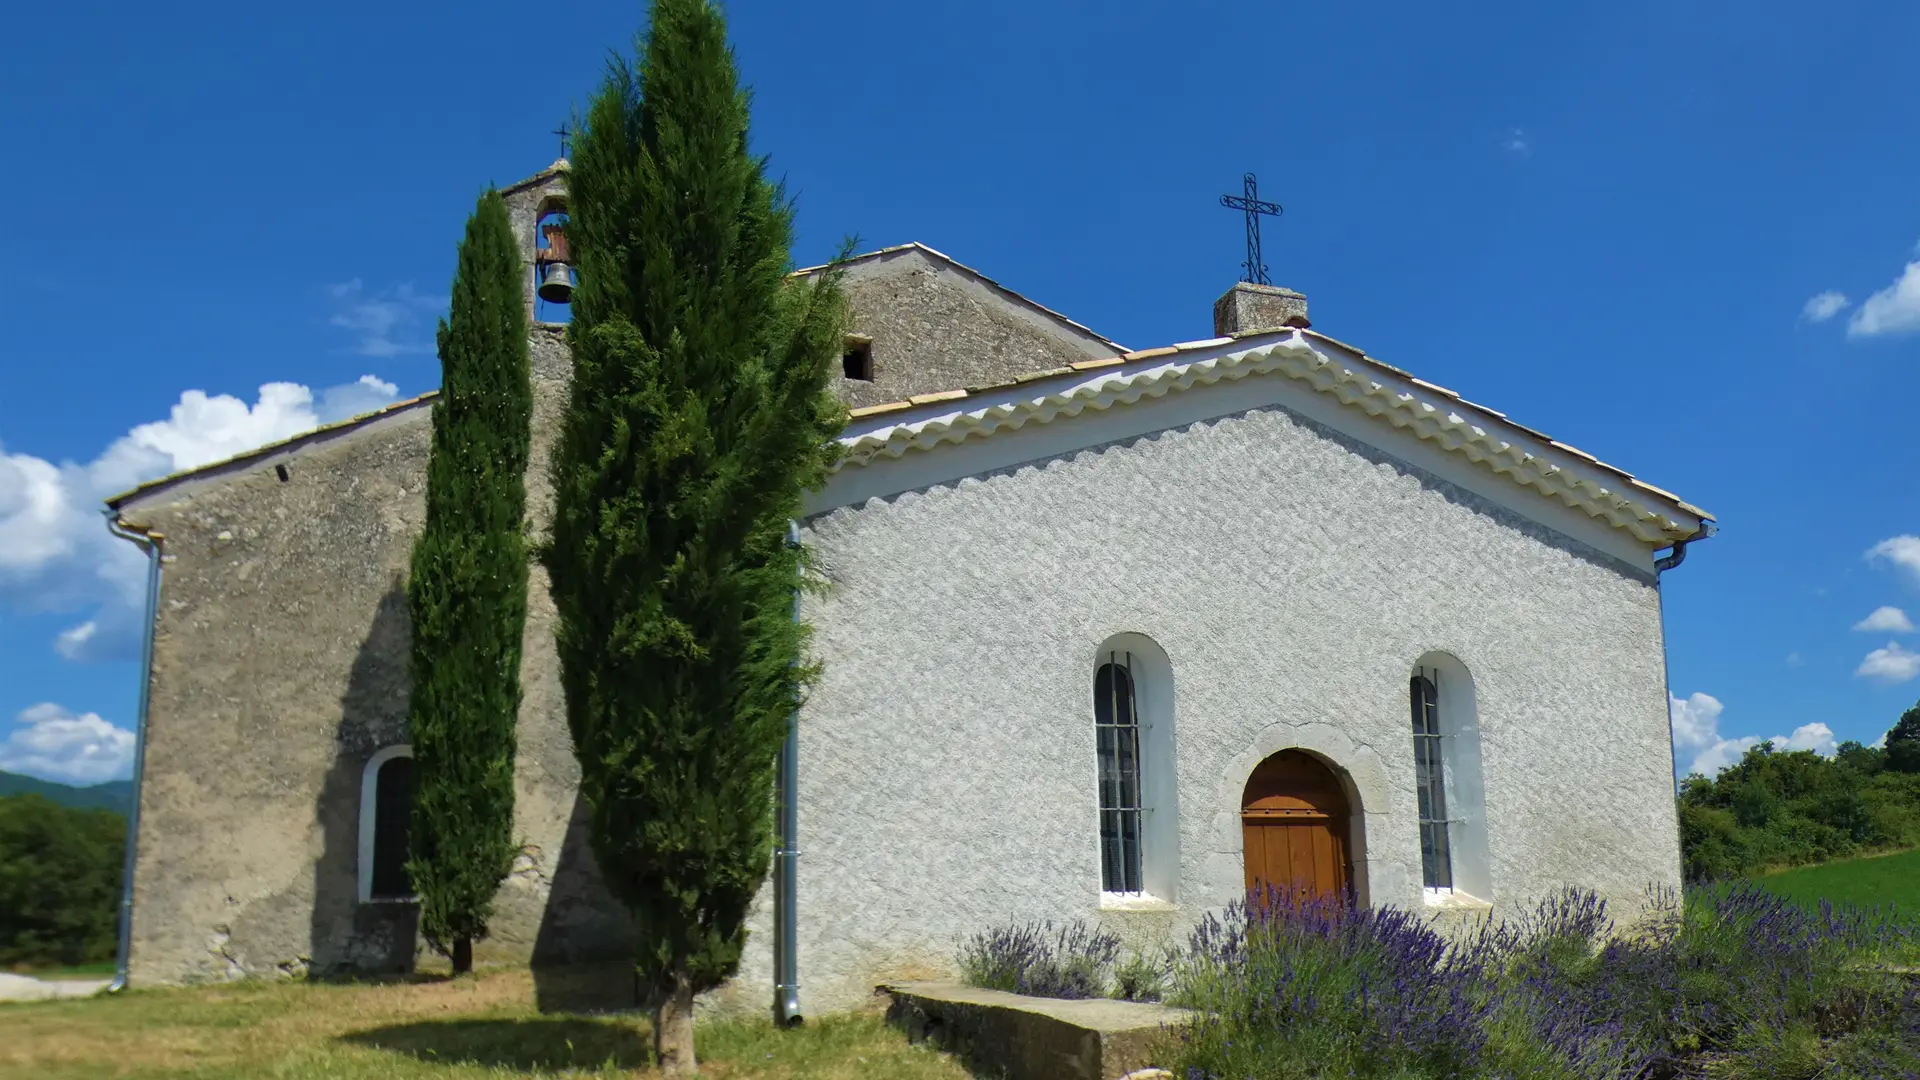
1293 577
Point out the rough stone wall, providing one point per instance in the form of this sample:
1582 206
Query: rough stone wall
937 327
268 697
1293 577
280 667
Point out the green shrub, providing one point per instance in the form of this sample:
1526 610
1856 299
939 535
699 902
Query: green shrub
1144 977
1775 809
59 882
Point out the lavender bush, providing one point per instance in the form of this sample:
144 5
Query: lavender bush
1729 983
1071 961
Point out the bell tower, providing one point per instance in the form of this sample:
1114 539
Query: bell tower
538 209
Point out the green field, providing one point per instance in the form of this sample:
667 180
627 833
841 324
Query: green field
1882 881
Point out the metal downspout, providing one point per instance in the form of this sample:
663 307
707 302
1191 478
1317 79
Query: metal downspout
150 544
786 859
1678 555
1660 566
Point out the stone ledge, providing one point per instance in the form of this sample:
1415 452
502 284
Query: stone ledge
1029 1038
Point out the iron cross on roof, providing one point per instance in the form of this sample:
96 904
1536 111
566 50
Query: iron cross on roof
566 138
1250 202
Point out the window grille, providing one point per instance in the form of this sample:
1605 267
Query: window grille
1117 730
392 807
1436 862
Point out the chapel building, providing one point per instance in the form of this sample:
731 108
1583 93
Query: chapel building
1107 635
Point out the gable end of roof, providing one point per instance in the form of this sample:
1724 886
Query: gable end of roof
258 453
1430 413
954 264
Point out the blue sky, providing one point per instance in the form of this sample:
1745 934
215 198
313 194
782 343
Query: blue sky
1617 225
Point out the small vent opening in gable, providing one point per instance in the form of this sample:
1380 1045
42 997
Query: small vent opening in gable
856 362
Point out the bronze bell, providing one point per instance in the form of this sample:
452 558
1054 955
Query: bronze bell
556 283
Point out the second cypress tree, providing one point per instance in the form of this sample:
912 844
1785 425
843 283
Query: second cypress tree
468 595
699 414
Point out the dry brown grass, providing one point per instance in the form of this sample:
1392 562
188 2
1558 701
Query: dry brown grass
476 1027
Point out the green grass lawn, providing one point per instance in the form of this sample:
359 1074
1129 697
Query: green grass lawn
1881 881
429 1030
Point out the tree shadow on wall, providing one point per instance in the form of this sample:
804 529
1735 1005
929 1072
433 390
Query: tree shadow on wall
583 951
348 937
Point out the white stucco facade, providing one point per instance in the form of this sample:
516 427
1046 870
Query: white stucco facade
1295 559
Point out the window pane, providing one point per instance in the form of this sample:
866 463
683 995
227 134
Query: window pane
1129 760
1430 783
1130 843
1111 856
392 806
1426 706
1112 695
1435 779
1117 744
1108 741
1435 863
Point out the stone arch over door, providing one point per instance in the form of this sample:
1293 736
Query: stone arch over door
1296 827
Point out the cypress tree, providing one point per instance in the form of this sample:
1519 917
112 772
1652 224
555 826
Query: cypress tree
468 595
699 413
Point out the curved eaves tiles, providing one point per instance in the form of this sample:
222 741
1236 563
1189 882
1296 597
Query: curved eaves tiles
1437 421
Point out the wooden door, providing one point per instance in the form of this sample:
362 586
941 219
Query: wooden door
1293 819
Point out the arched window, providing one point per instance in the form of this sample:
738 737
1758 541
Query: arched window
1116 723
386 805
1429 770
1134 756
1447 777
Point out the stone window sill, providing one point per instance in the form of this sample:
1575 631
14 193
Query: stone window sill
1451 900
1134 902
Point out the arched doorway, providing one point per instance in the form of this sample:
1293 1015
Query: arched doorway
1294 821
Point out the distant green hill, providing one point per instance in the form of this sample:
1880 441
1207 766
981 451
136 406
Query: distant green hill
114 795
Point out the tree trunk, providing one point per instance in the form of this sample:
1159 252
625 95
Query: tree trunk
462 955
673 1029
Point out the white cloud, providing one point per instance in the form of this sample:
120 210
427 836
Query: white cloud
74 642
1697 738
1893 310
351 399
54 744
1794 659
1886 620
1516 143
1824 307
55 551
1816 737
1890 665
1696 721
1902 551
385 323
